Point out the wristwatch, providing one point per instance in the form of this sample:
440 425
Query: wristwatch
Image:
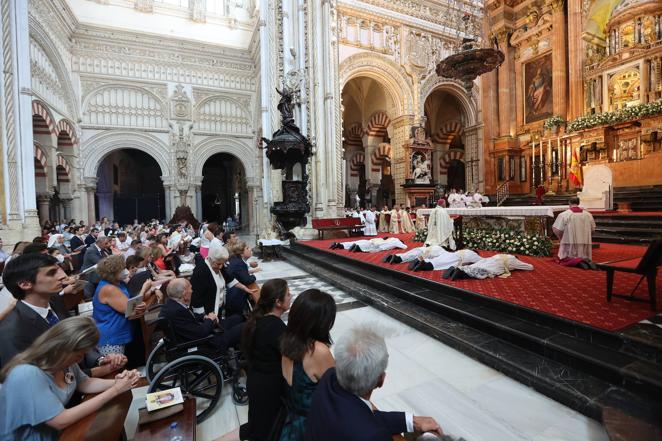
100 360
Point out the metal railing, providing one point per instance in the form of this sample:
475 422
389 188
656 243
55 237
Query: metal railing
502 193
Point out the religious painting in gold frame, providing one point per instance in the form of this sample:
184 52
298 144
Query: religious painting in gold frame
538 89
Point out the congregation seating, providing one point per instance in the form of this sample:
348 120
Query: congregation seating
350 224
646 267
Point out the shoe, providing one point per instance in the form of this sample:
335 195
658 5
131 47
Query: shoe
388 258
424 266
448 273
352 248
457 274
583 265
592 265
333 246
413 264
357 249
396 259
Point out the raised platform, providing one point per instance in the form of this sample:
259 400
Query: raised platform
551 328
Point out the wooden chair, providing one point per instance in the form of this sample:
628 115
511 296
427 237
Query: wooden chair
646 267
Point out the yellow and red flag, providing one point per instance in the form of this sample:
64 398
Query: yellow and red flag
575 169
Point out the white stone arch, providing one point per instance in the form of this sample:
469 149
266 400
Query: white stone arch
434 83
387 73
101 145
242 151
42 38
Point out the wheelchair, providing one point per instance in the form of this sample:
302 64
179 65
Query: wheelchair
197 368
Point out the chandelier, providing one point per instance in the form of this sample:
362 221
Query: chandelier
470 60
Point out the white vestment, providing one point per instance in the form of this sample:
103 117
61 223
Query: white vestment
423 252
370 225
405 222
394 223
448 259
376 245
440 228
577 228
498 265
455 200
476 201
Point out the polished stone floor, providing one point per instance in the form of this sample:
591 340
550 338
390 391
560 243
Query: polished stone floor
468 399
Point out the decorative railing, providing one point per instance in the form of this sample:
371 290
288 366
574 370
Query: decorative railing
502 193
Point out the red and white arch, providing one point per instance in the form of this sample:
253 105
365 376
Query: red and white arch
447 132
446 158
40 162
66 134
358 161
42 120
63 170
354 135
379 156
378 124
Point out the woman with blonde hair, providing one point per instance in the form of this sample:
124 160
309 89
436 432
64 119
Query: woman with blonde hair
110 302
39 382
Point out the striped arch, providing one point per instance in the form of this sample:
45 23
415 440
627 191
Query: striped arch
381 154
445 160
378 124
45 125
447 132
354 135
63 170
66 129
356 163
40 163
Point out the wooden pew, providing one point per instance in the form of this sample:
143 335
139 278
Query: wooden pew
106 424
160 430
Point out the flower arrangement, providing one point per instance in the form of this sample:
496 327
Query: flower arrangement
618 116
553 122
508 241
421 235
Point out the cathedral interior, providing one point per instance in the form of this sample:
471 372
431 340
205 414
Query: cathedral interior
306 114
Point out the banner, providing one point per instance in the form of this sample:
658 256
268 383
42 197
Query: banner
575 169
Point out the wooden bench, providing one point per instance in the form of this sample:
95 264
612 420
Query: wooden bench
646 266
352 225
160 429
106 424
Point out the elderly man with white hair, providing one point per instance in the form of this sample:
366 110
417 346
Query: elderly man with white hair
189 326
341 407
212 284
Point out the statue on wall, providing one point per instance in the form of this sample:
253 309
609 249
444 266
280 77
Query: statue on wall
420 168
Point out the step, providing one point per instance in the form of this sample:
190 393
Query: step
526 350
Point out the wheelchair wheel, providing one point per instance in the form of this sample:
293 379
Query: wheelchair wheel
156 361
195 375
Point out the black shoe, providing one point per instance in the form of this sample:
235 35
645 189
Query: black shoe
583 265
357 249
448 273
388 258
591 265
333 246
413 264
424 266
396 259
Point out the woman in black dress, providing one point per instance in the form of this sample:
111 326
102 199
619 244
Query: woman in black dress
265 383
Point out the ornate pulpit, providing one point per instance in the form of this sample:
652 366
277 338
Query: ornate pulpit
419 185
289 151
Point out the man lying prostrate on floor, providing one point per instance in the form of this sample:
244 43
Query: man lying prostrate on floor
445 260
425 252
340 407
499 265
371 246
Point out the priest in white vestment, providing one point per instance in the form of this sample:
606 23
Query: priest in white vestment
370 223
440 227
445 260
418 252
394 223
455 200
370 245
574 227
383 223
406 224
499 265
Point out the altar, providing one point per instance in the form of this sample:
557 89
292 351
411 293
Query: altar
533 220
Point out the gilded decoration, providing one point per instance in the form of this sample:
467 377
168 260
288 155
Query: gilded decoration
538 89
623 89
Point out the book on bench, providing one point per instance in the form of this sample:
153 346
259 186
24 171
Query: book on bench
163 398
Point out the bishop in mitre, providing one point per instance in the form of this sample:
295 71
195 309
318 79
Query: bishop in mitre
440 227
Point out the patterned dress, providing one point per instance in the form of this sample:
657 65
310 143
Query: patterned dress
300 395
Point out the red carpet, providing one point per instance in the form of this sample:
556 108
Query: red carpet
571 293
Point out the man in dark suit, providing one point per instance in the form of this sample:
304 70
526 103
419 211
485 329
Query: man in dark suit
189 326
75 243
341 408
35 280
92 237
94 253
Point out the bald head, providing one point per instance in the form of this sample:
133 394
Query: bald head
179 290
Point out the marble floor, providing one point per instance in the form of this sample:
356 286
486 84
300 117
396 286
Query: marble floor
424 376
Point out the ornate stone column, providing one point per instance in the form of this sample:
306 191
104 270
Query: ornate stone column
168 201
198 202
559 65
575 57
505 74
401 127
645 80
90 189
66 207
44 206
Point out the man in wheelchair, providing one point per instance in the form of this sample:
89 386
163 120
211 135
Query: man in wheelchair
188 326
